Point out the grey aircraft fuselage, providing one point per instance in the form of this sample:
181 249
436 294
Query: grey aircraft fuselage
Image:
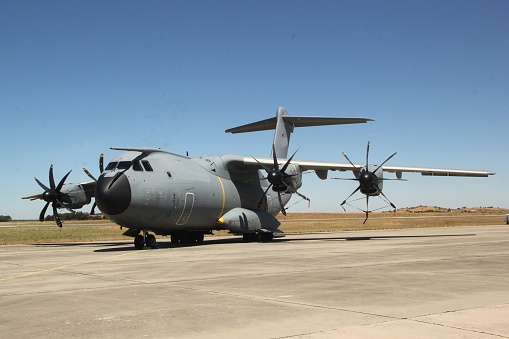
167 192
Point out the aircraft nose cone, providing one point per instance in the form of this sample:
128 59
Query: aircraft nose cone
115 199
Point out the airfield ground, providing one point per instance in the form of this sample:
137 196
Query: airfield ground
444 282
34 232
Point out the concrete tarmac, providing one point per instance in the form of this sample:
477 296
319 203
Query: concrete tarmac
414 283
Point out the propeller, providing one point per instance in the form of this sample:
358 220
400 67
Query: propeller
53 195
277 178
368 182
101 169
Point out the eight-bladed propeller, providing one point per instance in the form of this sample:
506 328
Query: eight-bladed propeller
277 178
369 181
51 195
101 169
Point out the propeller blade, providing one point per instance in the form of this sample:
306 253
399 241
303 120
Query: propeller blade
263 195
351 163
389 158
367 155
367 209
344 201
390 203
281 203
67 208
44 187
61 183
101 163
51 179
289 160
43 212
264 167
89 174
274 156
56 216
92 212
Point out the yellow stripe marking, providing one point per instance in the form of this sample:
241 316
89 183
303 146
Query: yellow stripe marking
224 198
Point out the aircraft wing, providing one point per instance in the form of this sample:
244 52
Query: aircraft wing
321 168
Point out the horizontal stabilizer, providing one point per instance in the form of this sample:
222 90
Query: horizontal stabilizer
295 121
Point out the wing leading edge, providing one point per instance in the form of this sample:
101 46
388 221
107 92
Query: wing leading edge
323 167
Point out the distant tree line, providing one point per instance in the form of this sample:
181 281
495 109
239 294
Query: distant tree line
5 218
75 216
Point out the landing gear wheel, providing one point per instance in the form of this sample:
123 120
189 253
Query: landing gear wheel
139 242
175 238
150 241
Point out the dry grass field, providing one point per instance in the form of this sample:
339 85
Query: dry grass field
33 232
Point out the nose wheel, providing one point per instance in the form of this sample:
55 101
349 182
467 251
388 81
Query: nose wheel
149 240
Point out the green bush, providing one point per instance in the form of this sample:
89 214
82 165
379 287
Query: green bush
74 216
5 218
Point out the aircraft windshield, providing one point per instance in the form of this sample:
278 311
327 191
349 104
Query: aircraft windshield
120 165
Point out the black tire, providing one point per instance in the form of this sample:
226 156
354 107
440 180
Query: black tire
150 241
139 242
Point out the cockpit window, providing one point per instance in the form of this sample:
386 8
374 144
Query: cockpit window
137 166
124 165
120 165
111 166
147 166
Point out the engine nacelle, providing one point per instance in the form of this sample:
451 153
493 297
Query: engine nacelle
75 196
295 179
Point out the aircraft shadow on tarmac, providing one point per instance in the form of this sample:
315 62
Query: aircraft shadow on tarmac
234 240
121 246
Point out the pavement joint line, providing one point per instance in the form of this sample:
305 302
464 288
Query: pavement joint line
66 266
456 327
289 302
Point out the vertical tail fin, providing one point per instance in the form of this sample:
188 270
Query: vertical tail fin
282 134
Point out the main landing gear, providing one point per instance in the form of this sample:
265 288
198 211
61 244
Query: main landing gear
146 239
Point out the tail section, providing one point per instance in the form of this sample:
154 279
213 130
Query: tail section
284 123
282 134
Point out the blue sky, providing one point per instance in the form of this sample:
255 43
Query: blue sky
78 77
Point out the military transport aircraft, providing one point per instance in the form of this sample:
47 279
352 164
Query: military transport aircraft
152 190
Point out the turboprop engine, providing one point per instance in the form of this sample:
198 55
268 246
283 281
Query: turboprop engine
370 178
287 179
62 195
